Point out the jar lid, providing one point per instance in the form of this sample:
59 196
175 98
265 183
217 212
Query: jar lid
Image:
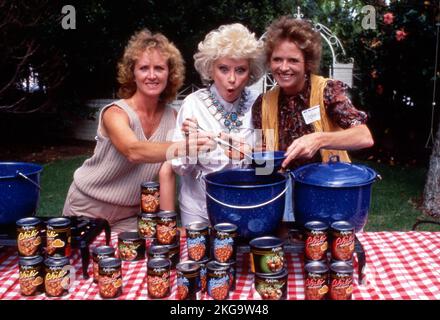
316 225
266 242
215 266
158 263
56 262
188 266
158 249
278 275
103 250
225 227
30 261
129 235
110 263
341 267
30 221
197 226
147 215
166 214
334 174
316 267
342 226
150 184
59 222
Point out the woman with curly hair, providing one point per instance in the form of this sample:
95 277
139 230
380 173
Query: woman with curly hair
132 137
228 59
305 113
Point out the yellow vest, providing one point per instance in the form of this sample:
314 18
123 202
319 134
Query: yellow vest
269 117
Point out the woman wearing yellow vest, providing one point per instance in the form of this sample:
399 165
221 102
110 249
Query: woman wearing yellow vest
305 113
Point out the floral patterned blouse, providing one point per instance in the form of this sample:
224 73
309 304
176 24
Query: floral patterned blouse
291 122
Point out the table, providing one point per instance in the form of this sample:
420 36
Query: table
399 265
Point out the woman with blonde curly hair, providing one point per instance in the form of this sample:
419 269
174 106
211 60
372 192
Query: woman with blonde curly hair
305 113
228 60
132 136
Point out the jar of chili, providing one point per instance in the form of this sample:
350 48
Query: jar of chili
316 280
188 280
31 276
98 254
342 234
174 250
341 281
58 237
110 278
197 241
158 278
150 196
166 229
57 277
29 236
315 240
158 251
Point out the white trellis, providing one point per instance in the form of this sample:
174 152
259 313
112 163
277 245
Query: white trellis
337 70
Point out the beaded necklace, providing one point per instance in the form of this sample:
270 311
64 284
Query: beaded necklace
229 119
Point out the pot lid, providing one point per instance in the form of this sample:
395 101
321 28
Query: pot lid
334 174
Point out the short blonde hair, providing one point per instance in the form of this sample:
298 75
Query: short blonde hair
234 41
143 41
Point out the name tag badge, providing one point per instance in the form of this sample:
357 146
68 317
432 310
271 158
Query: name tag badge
311 114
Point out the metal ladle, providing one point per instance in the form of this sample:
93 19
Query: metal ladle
225 143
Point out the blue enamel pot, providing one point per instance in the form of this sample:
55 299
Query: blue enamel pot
19 190
253 202
333 191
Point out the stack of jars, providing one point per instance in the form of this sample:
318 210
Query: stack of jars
268 265
328 276
211 264
50 275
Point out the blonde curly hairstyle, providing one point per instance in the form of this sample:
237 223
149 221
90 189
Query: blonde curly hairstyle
140 42
233 41
301 33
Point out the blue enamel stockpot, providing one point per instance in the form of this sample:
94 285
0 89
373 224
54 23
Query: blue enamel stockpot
333 191
253 202
19 190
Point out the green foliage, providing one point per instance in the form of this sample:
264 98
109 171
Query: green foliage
55 181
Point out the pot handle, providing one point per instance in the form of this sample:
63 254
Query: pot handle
378 177
334 158
20 174
246 207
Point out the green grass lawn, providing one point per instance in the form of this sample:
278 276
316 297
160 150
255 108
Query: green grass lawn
392 204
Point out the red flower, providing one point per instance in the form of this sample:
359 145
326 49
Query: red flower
401 35
388 18
379 89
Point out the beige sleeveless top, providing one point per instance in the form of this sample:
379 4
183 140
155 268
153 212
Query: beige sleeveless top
108 176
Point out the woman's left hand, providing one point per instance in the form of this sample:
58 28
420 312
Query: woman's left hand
304 147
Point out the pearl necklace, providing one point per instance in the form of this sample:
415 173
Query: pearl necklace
229 119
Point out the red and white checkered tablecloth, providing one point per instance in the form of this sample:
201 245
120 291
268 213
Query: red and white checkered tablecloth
399 265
